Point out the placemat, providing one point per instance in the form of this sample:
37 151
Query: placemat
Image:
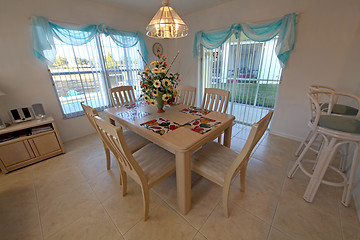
133 114
201 125
160 125
195 111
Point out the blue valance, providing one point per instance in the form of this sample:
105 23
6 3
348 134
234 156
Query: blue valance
260 32
43 33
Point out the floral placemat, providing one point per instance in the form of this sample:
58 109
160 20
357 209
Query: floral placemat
160 125
201 125
133 114
195 111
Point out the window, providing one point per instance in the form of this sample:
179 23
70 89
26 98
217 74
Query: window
87 72
251 72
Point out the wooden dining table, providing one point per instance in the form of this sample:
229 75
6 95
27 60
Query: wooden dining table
182 141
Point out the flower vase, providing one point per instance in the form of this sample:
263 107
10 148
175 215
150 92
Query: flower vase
160 104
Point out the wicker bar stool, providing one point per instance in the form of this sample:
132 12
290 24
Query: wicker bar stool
335 132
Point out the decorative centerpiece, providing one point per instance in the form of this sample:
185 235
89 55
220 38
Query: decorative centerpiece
158 85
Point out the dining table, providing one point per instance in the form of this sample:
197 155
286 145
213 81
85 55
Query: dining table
181 130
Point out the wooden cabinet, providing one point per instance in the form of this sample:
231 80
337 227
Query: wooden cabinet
28 142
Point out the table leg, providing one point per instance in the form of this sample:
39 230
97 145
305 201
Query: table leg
183 181
227 136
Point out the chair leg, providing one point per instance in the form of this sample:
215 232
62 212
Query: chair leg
303 143
225 198
219 139
321 167
107 153
242 177
123 179
146 201
349 185
300 158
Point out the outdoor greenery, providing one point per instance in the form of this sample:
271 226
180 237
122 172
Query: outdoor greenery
245 93
60 62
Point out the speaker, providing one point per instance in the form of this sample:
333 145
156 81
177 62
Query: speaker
38 111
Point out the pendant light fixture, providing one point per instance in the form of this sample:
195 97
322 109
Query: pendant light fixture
166 24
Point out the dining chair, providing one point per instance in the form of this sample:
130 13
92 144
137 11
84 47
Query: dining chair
186 95
134 141
122 95
147 166
335 131
220 164
216 99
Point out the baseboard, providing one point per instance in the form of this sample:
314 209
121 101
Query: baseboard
356 195
280 134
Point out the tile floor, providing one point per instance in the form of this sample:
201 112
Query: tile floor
73 196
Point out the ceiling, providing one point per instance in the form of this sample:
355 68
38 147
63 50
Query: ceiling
150 7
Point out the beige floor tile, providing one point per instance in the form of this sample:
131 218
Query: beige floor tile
265 173
237 144
96 227
19 218
163 223
240 225
325 198
13 178
199 236
300 220
166 188
275 155
244 133
257 199
60 211
205 195
126 211
106 184
350 232
349 214
93 165
277 235
53 184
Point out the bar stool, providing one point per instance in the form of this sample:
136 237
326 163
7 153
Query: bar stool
335 131
337 108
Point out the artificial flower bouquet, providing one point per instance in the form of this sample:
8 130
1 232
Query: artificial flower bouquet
157 84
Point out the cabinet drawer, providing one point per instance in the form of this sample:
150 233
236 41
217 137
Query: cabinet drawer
44 144
15 153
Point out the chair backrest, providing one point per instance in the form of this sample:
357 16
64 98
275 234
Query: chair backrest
321 88
257 131
215 99
90 113
323 102
113 138
122 95
186 95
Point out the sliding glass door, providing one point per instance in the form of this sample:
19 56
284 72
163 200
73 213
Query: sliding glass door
249 70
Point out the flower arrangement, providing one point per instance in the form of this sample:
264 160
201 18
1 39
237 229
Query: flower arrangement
158 85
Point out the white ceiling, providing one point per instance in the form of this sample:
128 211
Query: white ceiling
150 7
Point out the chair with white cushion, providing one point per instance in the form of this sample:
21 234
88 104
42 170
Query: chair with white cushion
134 141
186 95
147 166
122 95
220 164
335 131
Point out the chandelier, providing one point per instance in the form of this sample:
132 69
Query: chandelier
166 24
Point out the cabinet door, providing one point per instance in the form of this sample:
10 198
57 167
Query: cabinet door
44 144
15 153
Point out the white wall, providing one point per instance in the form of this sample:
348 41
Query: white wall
23 77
